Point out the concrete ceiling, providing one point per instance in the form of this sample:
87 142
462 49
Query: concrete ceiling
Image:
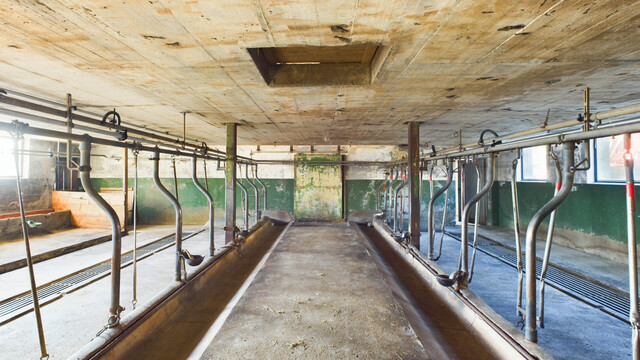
453 64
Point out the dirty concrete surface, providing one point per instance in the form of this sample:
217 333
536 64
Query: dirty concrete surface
319 296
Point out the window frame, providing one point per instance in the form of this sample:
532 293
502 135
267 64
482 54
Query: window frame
592 174
520 169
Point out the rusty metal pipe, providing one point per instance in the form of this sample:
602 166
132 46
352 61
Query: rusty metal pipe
531 329
178 210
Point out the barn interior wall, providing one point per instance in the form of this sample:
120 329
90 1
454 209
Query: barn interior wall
592 217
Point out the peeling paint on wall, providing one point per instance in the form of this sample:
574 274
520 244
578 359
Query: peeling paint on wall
318 189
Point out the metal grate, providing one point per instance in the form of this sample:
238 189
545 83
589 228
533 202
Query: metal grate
23 303
608 299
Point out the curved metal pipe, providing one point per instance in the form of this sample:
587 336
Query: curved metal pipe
531 330
395 206
194 177
432 201
516 230
444 217
378 193
264 189
475 223
255 190
245 208
85 177
175 176
547 246
156 180
391 192
491 165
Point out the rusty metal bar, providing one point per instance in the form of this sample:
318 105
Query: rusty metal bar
414 183
230 183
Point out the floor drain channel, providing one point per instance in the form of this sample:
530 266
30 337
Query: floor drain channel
608 299
20 304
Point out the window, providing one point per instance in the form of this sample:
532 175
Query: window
8 168
534 163
609 165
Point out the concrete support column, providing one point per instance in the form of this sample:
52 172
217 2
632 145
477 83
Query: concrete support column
414 183
230 184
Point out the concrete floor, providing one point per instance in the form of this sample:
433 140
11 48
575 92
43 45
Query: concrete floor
47 246
302 321
319 296
73 320
573 329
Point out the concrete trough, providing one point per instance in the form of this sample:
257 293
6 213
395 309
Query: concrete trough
195 304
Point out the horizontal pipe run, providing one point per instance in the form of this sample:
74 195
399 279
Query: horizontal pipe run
602 115
89 120
549 140
28 130
45 120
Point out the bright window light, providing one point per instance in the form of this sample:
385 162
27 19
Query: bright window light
609 158
7 159
534 163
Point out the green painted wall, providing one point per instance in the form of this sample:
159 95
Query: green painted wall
361 195
592 208
154 208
